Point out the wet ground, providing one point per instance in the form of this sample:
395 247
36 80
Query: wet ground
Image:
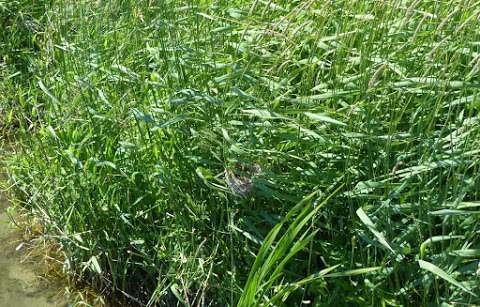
20 285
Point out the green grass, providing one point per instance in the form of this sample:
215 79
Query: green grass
350 127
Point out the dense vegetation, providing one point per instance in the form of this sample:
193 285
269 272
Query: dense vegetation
251 152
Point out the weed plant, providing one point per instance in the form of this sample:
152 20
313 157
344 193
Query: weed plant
251 153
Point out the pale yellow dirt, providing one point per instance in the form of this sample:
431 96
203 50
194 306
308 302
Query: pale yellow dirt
20 285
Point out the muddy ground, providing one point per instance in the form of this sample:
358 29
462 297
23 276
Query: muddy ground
20 284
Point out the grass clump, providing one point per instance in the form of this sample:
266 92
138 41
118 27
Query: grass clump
254 152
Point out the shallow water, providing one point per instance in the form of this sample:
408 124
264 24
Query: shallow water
19 282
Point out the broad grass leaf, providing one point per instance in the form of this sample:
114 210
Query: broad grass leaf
94 265
354 272
449 212
264 114
323 118
466 253
47 92
368 222
442 274
434 239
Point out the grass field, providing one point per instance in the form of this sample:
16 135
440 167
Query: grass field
250 153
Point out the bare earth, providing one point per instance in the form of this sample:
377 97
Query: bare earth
19 284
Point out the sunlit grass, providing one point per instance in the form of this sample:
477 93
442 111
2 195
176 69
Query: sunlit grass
170 147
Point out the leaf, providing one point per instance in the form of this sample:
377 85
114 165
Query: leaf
247 235
78 238
337 36
368 222
264 114
469 204
467 253
172 121
323 118
106 163
308 132
289 288
321 97
174 289
53 133
365 17
317 275
206 16
429 81
271 259
429 241
139 115
47 92
446 212
418 169
226 136
462 100
442 274
125 70
355 272
94 265
203 173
